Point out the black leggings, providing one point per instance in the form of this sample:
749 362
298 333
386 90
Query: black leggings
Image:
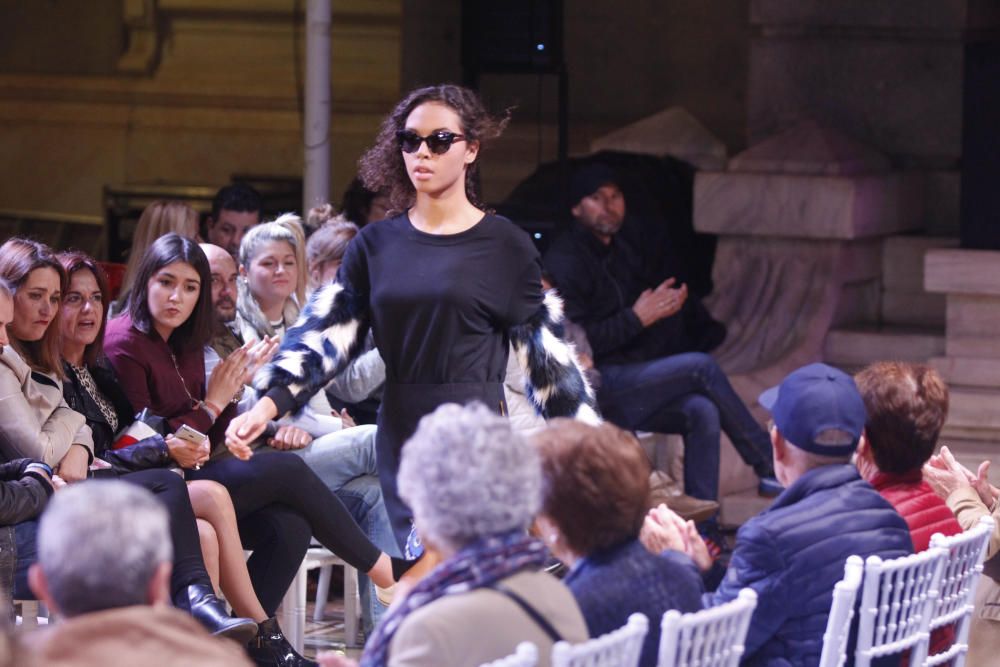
279 539
170 489
280 478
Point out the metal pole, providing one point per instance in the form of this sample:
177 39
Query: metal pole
316 124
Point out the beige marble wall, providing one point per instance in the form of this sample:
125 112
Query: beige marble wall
221 98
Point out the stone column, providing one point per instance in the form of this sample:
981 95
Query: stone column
970 279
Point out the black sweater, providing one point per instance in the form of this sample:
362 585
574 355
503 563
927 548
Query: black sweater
600 283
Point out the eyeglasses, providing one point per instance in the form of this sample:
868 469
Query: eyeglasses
437 142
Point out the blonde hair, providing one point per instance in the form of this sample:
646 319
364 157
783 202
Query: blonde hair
158 219
287 228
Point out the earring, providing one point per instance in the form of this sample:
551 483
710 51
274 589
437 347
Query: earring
552 538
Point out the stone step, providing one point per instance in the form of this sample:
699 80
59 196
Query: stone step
903 260
855 347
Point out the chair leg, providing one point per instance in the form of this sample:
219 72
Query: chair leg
29 614
352 606
322 592
292 614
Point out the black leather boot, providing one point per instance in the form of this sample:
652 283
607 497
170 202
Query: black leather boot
271 648
200 601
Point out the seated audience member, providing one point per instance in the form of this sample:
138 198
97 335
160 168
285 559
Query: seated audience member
156 348
36 421
25 487
93 390
325 250
793 553
341 454
104 565
267 302
971 497
906 406
596 485
158 218
361 206
474 486
235 209
358 388
649 341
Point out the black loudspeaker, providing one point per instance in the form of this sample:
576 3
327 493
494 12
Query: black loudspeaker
513 36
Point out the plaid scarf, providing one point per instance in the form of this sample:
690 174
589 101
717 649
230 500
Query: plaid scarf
479 565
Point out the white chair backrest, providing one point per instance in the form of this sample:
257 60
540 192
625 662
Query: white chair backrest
897 602
838 625
525 655
966 552
620 648
708 638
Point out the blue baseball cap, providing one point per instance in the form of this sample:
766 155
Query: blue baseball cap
814 399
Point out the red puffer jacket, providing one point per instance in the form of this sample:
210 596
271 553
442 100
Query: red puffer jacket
925 513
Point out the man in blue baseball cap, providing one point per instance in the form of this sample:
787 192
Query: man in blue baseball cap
793 553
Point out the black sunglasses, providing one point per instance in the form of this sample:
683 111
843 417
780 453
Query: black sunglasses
437 142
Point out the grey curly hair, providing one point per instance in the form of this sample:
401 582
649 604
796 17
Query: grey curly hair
466 474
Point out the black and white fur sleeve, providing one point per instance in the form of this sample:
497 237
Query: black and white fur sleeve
328 334
554 382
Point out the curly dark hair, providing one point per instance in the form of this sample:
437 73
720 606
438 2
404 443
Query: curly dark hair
382 168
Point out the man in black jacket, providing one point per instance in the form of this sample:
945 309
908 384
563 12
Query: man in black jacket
25 488
650 339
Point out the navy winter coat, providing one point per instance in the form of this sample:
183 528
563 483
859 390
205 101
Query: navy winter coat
793 554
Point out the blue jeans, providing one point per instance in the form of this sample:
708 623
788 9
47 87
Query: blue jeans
687 394
345 461
25 537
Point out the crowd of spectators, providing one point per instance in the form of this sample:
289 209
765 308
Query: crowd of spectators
121 495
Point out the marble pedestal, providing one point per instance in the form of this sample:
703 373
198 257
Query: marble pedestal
801 219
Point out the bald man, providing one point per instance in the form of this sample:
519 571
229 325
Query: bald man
225 339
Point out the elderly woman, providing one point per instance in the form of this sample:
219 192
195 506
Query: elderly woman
593 505
474 486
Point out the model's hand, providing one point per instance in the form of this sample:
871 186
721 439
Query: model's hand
58 482
187 454
227 378
290 437
655 304
247 427
73 467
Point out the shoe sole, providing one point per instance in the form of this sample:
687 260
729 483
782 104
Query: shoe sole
241 633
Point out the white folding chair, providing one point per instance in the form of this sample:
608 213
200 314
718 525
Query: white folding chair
619 648
525 655
708 638
292 612
838 625
897 602
966 552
